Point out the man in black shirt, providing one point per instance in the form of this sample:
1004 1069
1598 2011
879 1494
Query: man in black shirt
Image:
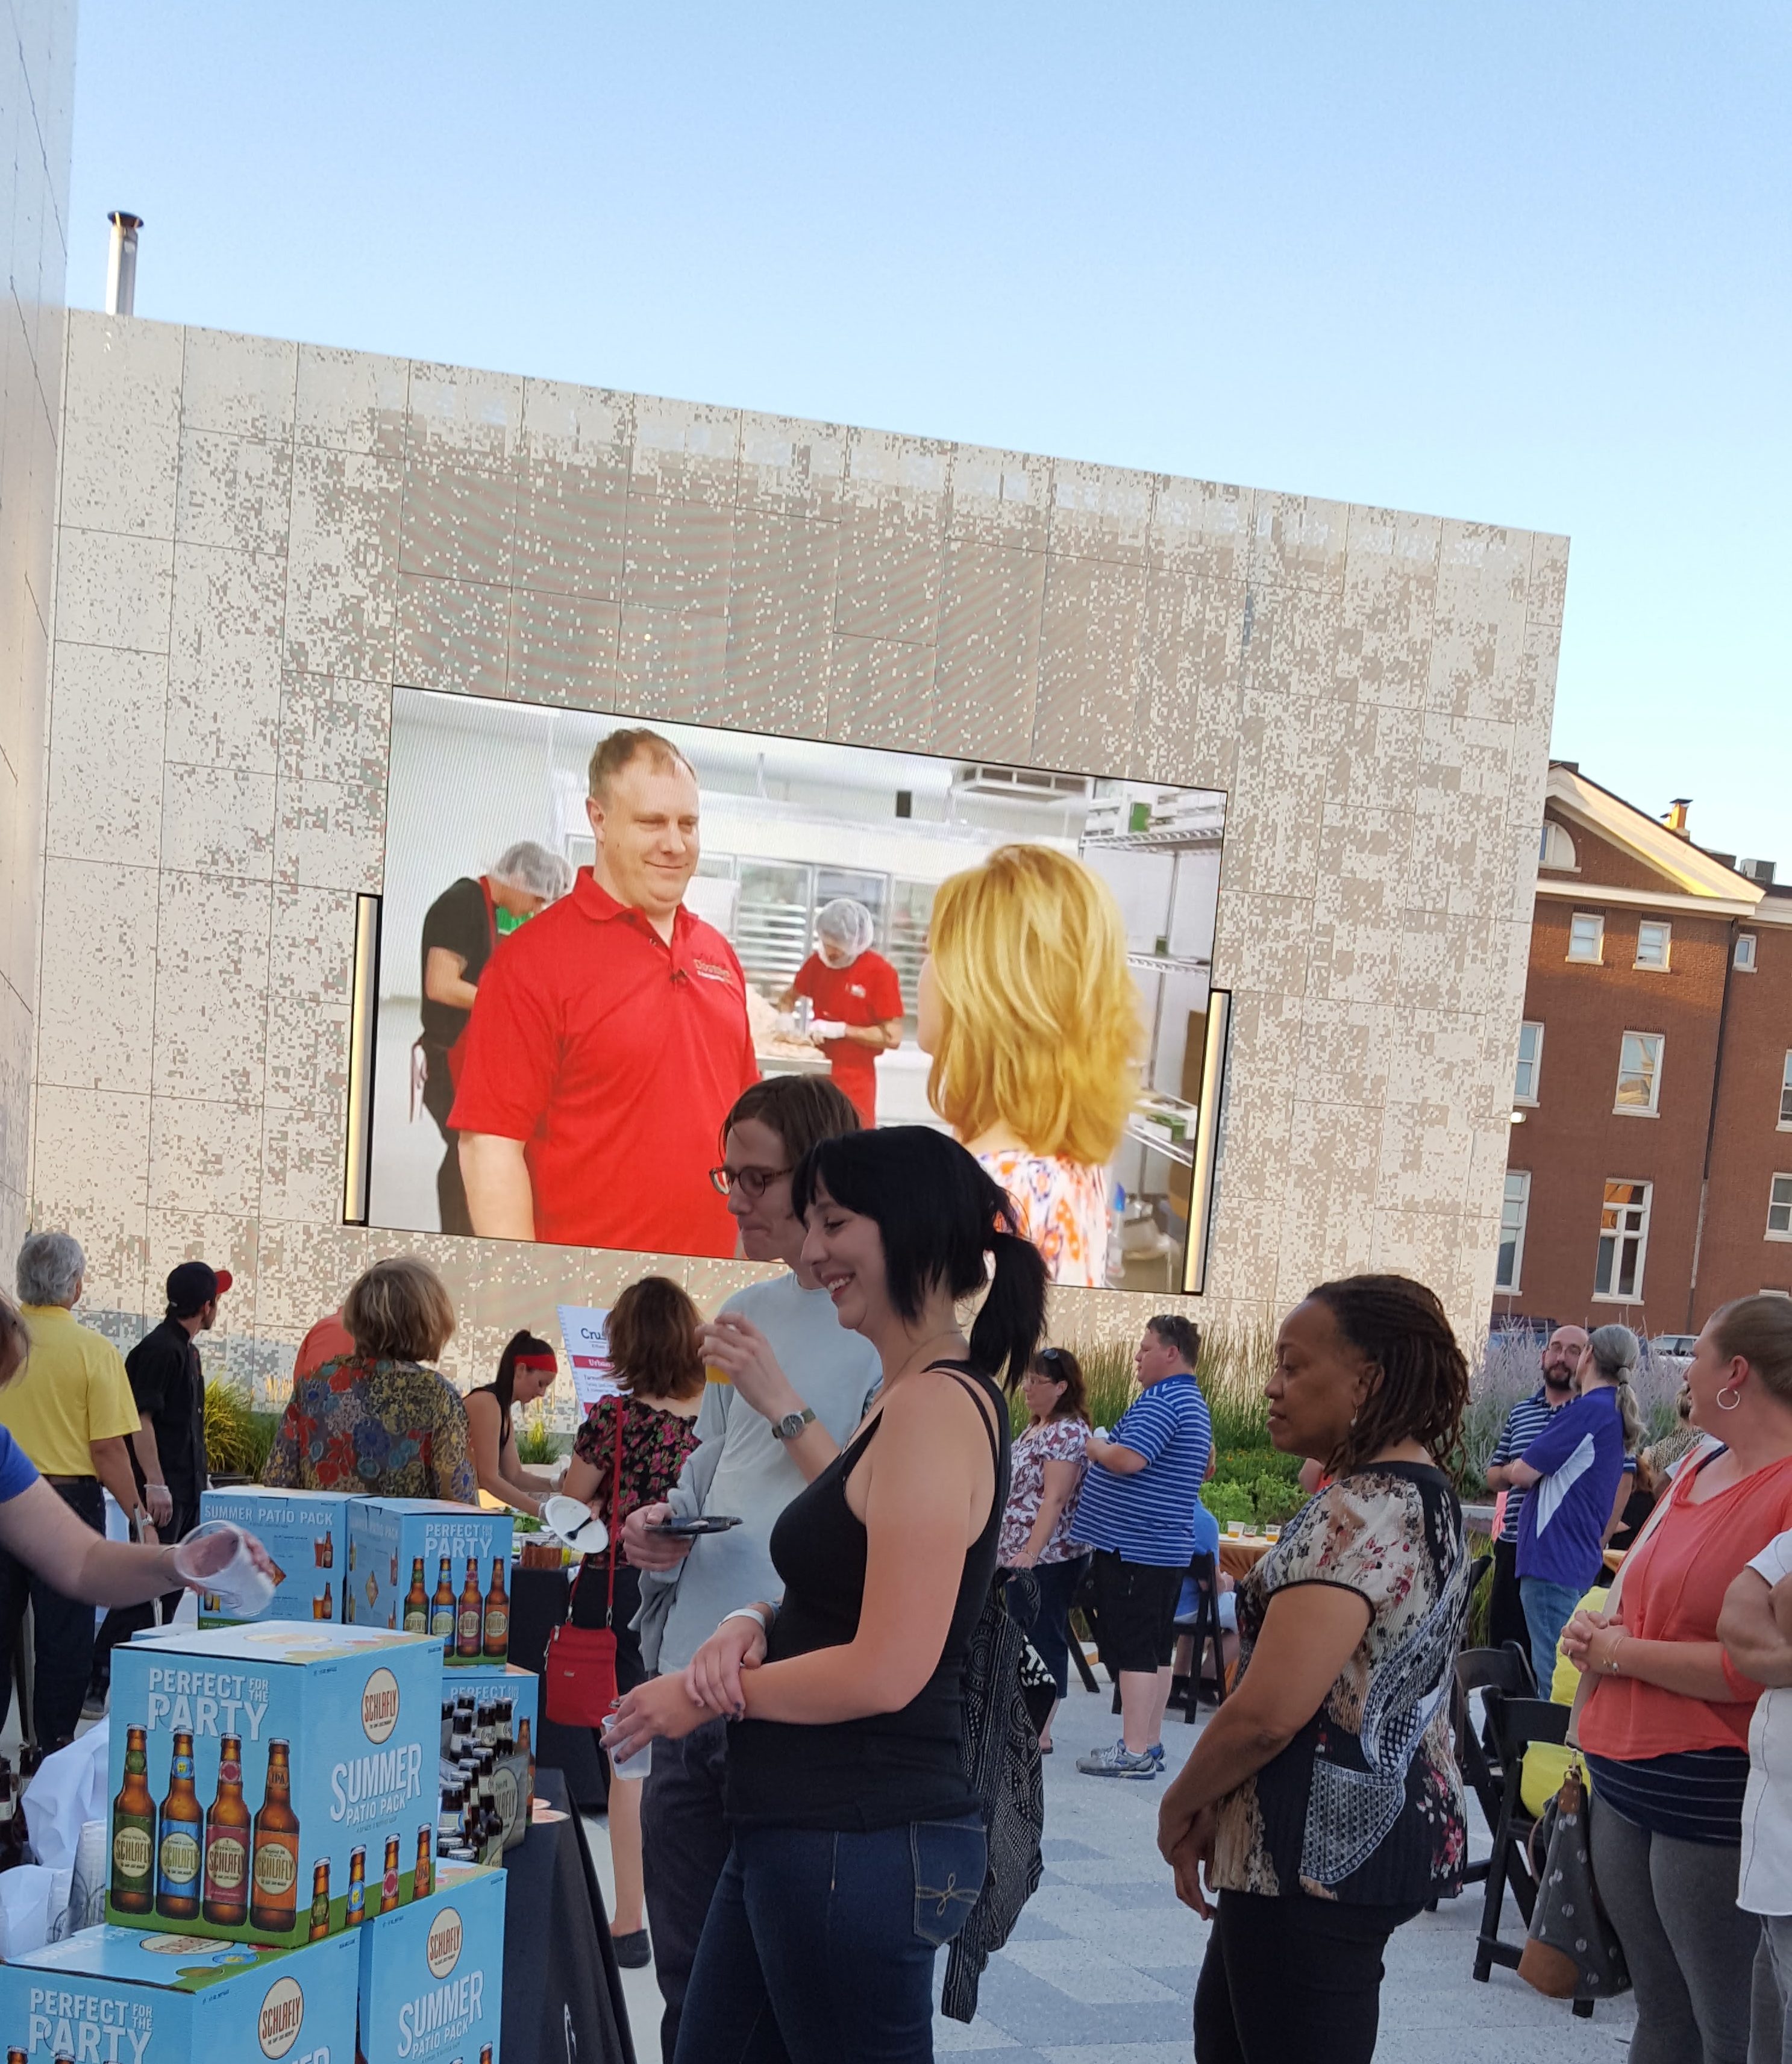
167 1449
461 932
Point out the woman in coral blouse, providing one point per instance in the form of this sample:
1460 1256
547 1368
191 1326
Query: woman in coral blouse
1664 1726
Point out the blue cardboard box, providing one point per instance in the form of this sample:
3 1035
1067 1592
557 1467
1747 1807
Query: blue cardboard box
269 1779
137 1996
306 1533
421 1565
513 1779
432 1974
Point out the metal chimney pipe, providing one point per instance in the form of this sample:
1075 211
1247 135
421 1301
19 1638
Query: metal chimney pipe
121 270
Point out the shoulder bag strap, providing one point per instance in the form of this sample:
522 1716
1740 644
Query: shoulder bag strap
615 1528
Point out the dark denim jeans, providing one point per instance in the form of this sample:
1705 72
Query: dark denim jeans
819 1947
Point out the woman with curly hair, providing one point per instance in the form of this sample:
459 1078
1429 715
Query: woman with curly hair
1030 1011
1322 1802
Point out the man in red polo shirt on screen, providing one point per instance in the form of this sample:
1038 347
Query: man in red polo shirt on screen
609 1037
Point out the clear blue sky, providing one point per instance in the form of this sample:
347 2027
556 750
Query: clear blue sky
1528 263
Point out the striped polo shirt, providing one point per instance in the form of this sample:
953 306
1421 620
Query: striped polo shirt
1526 1420
1149 1516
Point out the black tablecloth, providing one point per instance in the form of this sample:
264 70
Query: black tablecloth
538 1605
563 1993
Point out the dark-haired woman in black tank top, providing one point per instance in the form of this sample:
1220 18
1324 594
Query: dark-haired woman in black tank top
859 1847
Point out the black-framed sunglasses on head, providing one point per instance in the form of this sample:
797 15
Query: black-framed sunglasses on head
754 1181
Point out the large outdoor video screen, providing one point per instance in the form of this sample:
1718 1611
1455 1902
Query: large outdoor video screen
590 942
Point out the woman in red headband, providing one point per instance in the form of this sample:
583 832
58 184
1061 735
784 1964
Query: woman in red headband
526 1371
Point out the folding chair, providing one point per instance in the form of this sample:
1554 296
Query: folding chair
1516 1723
1083 1602
1504 1671
1203 1625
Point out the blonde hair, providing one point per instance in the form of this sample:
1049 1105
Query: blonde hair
400 1309
1041 1026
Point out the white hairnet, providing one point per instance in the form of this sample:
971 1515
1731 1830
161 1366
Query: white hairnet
845 924
533 869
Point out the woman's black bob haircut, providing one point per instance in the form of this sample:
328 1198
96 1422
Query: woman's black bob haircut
943 1217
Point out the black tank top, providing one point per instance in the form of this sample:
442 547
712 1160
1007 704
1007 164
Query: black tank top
491 1390
886 1768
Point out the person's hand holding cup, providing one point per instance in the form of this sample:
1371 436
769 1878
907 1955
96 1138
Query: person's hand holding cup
222 1558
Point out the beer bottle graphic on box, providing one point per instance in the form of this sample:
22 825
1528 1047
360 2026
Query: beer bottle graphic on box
443 1566
246 1756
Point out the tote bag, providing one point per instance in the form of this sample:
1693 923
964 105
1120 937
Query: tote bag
580 1669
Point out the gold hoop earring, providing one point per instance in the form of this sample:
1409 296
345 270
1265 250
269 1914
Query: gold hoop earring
1735 1398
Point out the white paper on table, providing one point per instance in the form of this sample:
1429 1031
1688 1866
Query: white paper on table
26 1892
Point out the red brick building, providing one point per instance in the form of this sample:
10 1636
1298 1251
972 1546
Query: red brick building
1649 1177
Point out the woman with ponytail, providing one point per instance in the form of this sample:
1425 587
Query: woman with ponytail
525 1372
857 1847
1574 1471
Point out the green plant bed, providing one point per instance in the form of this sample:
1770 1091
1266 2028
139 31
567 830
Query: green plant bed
237 1436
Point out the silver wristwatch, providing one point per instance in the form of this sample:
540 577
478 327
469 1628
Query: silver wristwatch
791 1424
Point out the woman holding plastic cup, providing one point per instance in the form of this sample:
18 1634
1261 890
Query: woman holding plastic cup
64 1554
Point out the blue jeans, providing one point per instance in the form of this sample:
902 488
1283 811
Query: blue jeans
1547 1609
819 1947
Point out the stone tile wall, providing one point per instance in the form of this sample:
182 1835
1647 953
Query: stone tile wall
37 95
259 538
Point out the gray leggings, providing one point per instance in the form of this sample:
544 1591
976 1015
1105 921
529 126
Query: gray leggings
1690 1949
1771 2042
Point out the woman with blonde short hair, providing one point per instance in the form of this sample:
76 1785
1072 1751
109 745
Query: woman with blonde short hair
1032 1015
381 1423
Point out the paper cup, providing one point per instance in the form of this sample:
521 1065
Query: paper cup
215 1555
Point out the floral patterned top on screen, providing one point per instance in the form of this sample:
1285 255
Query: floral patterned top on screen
654 1445
1062 1206
1365 1804
1053 1440
377 1427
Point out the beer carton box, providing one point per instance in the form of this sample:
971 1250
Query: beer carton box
306 1533
268 1781
432 1974
513 1779
422 1566
145 1996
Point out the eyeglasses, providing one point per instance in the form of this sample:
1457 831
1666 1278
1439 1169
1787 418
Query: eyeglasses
754 1182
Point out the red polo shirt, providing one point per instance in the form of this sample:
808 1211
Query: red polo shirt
615 1057
865 992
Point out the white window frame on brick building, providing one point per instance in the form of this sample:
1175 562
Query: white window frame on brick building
1785 1096
1556 852
1779 1208
1514 1211
1586 936
1654 943
1744 956
1529 1072
1623 1242
1639 1091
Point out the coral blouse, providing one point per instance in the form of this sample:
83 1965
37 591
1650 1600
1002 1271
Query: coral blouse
1674 1584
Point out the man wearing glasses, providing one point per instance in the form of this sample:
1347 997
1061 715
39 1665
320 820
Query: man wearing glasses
794 1384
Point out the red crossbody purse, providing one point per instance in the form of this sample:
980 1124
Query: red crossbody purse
580 1668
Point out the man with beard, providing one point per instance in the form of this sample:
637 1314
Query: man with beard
1561 1361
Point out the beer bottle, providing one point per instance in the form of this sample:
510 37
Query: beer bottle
394 1578
351 1554
17 2057
470 1629
330 1551
498 1614
485 2054
388 1882
485 1725
417 1600
320 1900
275 1862
177 1856
357 1888
329 1611
348 1604
423 1878
134 1831
526 1750
441 1609
227 1841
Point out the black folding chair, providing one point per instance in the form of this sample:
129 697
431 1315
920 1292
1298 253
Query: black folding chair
1083 1604
1504 1671
1516 1723
1203 1625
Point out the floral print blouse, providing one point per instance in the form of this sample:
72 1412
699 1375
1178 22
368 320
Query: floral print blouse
1062 1206
1365 1804
654 1445
376 1427
1052 1441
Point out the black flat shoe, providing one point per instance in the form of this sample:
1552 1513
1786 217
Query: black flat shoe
631 1950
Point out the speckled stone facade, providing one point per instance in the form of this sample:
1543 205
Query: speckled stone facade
260 538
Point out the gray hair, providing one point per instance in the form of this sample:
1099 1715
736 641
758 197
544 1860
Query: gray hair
1616 1352
533 869
50 1266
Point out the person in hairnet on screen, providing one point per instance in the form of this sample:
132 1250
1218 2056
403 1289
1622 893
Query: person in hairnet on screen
857 997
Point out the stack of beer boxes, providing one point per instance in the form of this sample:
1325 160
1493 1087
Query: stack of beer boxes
305 1532
273 1795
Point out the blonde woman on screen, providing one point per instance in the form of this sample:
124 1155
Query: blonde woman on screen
1032 1018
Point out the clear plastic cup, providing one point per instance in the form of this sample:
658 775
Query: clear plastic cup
216 1556
629 1767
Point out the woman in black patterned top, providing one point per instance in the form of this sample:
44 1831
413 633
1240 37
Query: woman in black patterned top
1322 1803
656 1356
